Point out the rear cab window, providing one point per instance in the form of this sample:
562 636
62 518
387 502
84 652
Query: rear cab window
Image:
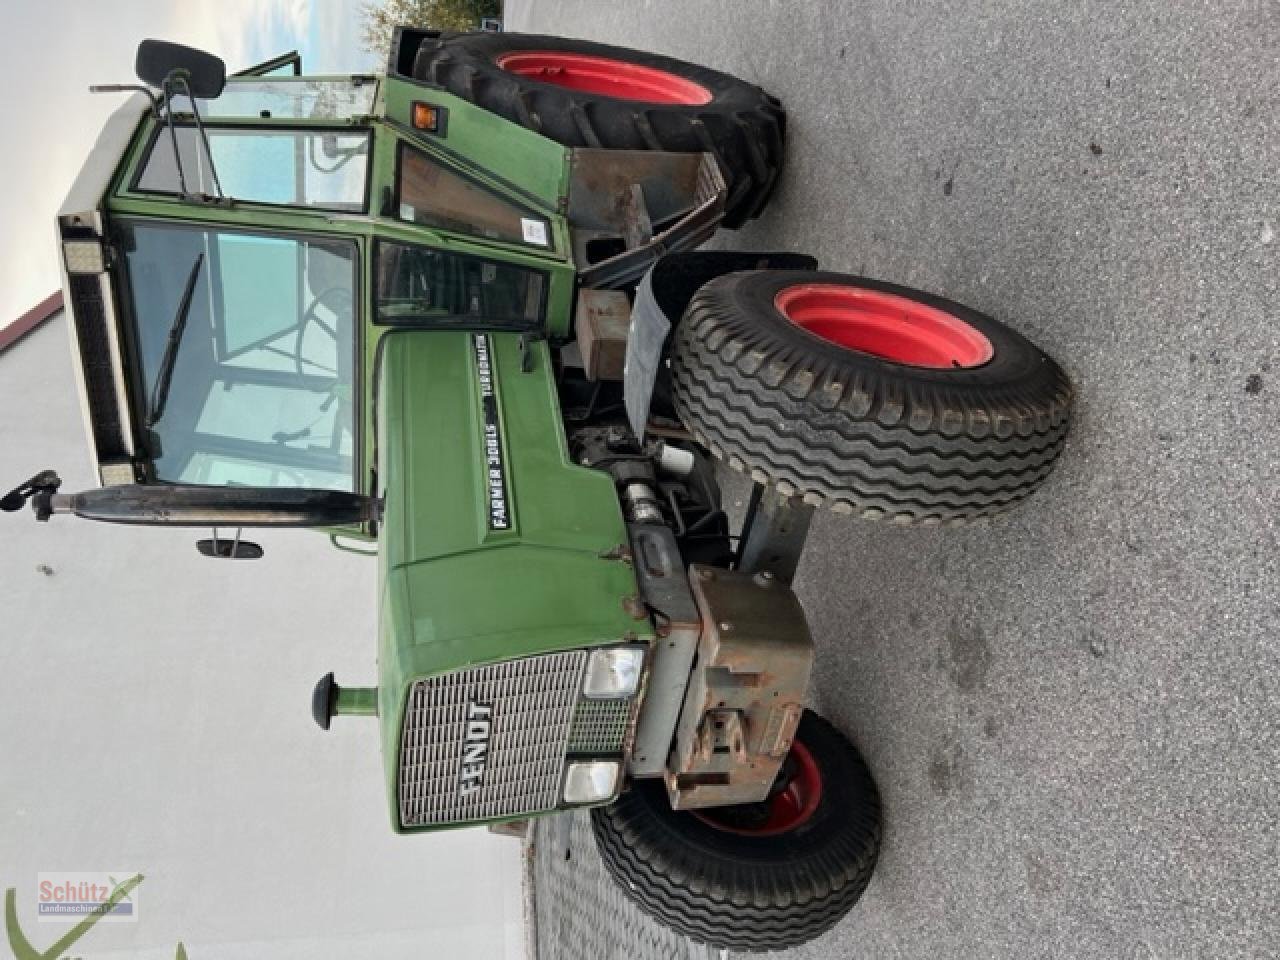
294 98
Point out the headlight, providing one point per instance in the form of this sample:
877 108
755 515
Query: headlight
591 782
614 672
83 256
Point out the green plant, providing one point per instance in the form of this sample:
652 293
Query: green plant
381 17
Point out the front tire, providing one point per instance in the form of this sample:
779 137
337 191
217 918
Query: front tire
868 397
760 876
584 94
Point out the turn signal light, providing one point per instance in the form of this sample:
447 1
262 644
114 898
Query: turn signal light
426 117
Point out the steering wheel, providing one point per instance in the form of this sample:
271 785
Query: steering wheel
341 156
338 301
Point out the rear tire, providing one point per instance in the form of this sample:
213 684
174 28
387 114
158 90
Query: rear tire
955 417
740 878
741 124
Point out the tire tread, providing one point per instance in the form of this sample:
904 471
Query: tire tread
746 135
858 440
744 905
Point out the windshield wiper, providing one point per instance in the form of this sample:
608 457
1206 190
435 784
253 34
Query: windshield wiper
164 377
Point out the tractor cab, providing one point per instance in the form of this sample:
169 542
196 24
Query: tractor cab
235 248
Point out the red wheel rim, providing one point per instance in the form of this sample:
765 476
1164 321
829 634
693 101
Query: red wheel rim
884 325
786 810
605 76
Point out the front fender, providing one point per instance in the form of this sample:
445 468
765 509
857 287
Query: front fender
661 298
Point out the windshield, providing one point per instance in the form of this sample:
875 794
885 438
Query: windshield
260 392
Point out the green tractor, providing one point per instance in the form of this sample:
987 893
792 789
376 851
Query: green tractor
453 317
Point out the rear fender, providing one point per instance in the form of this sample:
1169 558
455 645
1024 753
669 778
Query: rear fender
629 207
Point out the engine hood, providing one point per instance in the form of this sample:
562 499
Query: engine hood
493 544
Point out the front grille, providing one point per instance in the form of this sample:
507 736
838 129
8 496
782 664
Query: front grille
531 702
600 726
90 317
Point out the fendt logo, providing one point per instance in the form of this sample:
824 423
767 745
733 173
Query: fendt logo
475 747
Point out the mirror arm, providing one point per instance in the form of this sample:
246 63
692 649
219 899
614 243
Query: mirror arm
240 549
129 87
167 89
173 134
204 138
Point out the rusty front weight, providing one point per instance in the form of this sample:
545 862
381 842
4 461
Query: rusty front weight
747 691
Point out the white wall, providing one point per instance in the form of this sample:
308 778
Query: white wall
155 717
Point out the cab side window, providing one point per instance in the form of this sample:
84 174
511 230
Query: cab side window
435 196
317 168
423 286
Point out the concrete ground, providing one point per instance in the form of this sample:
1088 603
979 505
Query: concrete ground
1072 712
155 718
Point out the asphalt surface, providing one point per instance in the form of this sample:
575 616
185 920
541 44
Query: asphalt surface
1072 712
578 911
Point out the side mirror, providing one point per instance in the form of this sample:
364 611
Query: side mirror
206 74
227 549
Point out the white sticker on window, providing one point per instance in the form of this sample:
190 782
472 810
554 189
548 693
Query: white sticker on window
535 231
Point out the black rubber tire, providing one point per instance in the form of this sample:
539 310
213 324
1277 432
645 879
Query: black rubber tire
742 892
742 125
858 433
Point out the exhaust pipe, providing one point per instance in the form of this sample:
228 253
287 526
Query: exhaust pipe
183 505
